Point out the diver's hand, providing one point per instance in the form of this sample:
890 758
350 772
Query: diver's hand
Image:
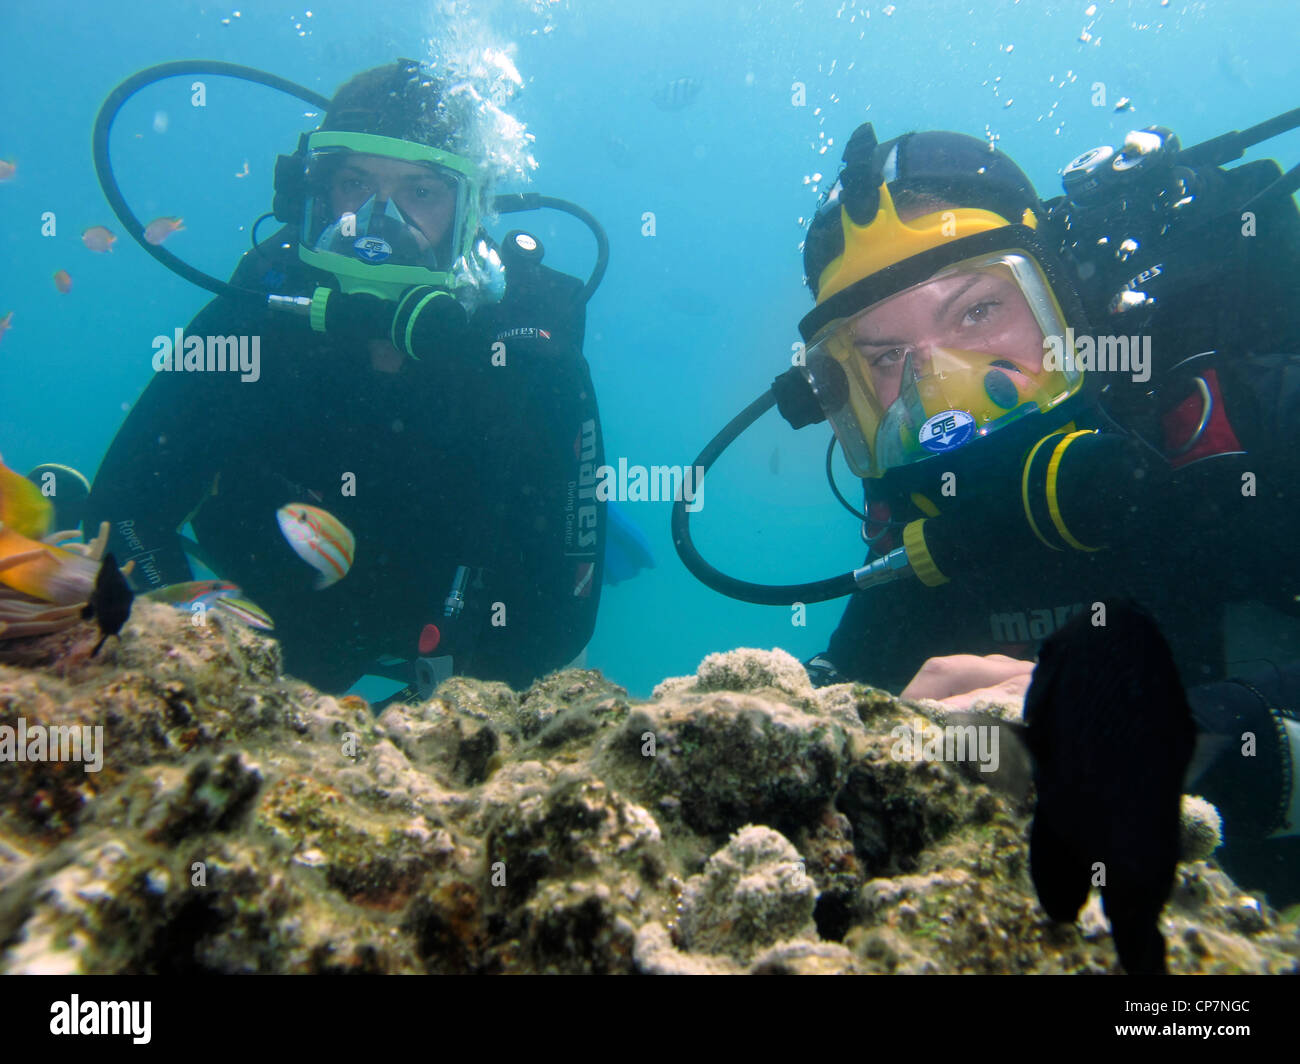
351 319
428 323
961 680
423 322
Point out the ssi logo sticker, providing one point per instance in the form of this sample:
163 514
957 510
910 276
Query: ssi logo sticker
947 431
372 249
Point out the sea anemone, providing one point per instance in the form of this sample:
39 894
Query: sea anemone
73 581
1201 829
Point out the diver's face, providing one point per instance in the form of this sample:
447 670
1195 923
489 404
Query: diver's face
426 200
981 311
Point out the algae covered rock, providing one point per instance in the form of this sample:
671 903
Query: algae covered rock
750 909
458 743
220 817
579 692
656 954
573 867
244 822
754 670
746 670
167 804
802 957
753 893
731 759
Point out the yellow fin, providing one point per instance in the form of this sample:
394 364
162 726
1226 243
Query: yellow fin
23 509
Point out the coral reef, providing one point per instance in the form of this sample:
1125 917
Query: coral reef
738 821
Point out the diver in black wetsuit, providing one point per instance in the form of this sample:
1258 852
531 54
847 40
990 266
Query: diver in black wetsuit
1020 466
444 422
1184 498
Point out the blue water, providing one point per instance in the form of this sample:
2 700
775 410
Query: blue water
728 178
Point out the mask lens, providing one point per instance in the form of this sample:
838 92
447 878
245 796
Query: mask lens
383 211
945 362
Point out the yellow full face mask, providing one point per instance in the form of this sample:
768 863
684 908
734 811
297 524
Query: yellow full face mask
941 363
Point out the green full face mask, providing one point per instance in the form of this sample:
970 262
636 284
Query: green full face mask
384 215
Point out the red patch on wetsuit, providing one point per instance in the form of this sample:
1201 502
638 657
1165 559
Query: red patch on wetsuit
1180 424
879 514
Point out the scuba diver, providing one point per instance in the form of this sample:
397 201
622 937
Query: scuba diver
1019 466
418 386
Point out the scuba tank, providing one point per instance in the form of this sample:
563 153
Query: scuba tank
1163 241
537 332
1201 261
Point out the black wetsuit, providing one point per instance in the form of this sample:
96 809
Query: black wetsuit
1196 543
450 461
1199 543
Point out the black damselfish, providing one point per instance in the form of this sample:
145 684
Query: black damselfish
110 602
1111 735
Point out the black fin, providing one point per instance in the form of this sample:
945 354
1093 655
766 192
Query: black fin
1134 917
1111 735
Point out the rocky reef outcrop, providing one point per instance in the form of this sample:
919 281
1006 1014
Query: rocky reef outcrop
737 821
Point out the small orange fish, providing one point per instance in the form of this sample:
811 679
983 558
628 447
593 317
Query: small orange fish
63 281
244 171
161 228
6 323
7 169
98 238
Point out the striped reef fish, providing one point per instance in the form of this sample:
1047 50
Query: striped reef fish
217 595
246 612
678 93
318 538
